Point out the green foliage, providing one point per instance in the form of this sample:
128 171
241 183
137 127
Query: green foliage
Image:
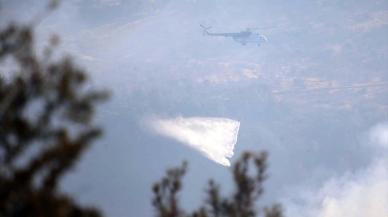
46 109
242 203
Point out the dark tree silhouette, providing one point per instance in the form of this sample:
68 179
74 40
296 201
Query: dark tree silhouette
242 203
46 123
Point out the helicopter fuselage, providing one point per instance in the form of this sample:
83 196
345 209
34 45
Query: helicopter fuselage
243 37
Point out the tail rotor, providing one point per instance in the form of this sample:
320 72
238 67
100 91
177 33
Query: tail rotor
205 29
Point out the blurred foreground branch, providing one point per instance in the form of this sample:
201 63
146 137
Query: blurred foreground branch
248 175
46 123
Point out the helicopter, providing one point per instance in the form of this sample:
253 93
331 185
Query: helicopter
243 37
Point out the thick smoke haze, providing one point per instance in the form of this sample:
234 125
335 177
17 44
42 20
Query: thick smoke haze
379 135
313 96
360 194
355 193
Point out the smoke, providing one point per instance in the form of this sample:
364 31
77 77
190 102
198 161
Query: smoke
379 135
213 137
357 194
364 193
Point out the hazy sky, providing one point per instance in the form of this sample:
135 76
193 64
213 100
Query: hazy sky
314 96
